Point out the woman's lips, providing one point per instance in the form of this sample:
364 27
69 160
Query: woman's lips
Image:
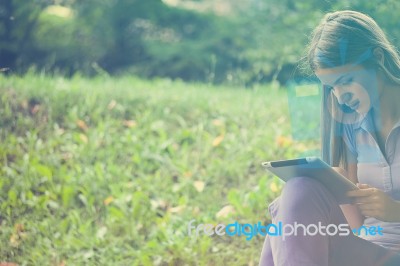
354 105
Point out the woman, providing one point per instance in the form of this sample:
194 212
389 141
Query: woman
360 73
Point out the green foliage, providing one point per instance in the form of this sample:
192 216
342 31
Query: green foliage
17 23
110 171
250 42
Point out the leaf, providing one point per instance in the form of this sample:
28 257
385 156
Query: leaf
111 105
108 200
67 194
101 232
88 254
14 240
82 125
43 170
273 187
128 198
283 141
177 209
129 123
83 138
35 109
12 196
19 228
195 211
217 141
17 235
234 197
225 211
159 204
188 174
199 185
83 199
59 131
116 213
217 122
301 147
53 204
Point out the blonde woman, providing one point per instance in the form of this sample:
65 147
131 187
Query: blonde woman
360 131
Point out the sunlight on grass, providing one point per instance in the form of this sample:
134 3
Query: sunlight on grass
110 171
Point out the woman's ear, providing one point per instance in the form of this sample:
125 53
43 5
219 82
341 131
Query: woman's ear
379 55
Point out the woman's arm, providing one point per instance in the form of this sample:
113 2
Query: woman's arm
350 211
373 202
353 215
368 201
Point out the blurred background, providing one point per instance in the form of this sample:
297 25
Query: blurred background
123 120
241 42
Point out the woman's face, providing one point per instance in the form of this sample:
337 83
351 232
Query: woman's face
353 86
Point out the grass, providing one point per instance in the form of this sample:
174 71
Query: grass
110 171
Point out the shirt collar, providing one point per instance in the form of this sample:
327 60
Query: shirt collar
365 122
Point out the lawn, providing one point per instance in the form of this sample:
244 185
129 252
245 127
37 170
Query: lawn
110 171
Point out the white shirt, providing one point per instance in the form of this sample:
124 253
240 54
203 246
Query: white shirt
377 171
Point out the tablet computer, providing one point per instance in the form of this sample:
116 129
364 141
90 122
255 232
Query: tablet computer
315 168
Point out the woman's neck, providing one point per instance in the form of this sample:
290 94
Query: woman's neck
389 104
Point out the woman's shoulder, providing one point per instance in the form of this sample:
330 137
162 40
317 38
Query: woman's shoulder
356 121
350 130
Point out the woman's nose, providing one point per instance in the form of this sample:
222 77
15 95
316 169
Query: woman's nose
343 97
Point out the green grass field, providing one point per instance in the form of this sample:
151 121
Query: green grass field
110 171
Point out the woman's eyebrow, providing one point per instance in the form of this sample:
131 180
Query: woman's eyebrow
338 80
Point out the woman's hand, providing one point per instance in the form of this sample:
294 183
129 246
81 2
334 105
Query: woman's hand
375 203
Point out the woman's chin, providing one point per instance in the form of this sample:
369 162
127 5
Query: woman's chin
362 110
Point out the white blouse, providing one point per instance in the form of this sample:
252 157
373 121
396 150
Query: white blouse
377 171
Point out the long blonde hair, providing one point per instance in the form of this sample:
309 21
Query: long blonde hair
347 37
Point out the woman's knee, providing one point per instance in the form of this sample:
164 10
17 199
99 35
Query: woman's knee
303 193
302 197
304 186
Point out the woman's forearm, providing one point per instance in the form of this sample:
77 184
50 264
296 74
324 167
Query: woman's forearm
353 215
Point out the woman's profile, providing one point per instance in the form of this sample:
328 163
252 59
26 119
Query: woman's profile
360 136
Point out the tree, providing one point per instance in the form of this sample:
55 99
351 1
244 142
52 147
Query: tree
18 20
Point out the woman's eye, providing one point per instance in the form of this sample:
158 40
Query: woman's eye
347 82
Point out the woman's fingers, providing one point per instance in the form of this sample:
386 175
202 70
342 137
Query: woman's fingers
364 200
368 207
363 186
372 213
361 192
371 210
373 202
